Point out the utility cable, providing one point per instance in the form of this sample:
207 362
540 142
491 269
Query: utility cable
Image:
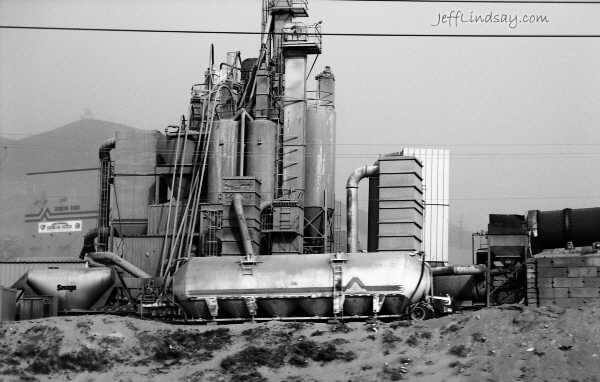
334 34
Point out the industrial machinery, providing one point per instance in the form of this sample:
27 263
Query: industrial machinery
234 215
505 254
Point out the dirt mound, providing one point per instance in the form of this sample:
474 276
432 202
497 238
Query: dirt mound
508 343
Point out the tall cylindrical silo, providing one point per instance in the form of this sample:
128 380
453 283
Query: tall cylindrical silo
319 196
260 155
222 160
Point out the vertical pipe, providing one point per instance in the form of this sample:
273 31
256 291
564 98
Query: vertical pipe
242 142
104 199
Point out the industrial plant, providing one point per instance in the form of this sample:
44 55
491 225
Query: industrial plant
234 215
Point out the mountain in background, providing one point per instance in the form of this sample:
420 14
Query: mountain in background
72 146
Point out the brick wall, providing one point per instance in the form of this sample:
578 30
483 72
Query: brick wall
567 281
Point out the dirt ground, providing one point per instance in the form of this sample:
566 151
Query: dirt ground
509 343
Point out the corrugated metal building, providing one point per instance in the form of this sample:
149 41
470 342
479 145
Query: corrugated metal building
436 186
12 270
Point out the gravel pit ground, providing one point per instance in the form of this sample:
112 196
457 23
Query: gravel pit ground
508 343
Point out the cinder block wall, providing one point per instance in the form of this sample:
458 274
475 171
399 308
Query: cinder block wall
567 281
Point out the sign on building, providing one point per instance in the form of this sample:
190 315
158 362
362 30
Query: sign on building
60 226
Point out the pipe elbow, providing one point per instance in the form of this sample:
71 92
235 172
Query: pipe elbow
357 175
105 148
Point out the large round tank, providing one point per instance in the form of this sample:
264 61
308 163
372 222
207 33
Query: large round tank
74 288
300 286
260 155
222 160
320 155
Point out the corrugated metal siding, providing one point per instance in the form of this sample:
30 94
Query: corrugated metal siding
436 184
13 269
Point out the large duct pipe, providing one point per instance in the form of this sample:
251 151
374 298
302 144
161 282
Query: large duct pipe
109 257
104 202
352 203
458 270
239 213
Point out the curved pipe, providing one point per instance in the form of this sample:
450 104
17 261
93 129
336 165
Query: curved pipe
352 203
239 213
104 151
109 257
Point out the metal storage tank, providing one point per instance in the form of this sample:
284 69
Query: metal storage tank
260 155
283 285
11 270
320 155
73 288
222 160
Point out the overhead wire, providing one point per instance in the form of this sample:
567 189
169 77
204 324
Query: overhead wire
332 34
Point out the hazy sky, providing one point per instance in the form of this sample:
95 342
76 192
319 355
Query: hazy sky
519 115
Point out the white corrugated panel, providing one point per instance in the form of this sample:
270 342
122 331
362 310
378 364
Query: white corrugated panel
436 186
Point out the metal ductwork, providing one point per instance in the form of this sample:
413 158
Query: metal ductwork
109 257
352 203
246 239
104 201
458 270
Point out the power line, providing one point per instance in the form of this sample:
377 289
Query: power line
334 34
576 2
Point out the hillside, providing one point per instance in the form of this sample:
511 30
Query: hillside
74 145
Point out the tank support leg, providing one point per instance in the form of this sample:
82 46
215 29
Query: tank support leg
378 300
251 306
337 268
213 306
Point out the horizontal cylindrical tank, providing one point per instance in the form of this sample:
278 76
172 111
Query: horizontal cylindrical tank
74 288
283 285
260 155
556 228
222 160
460 287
